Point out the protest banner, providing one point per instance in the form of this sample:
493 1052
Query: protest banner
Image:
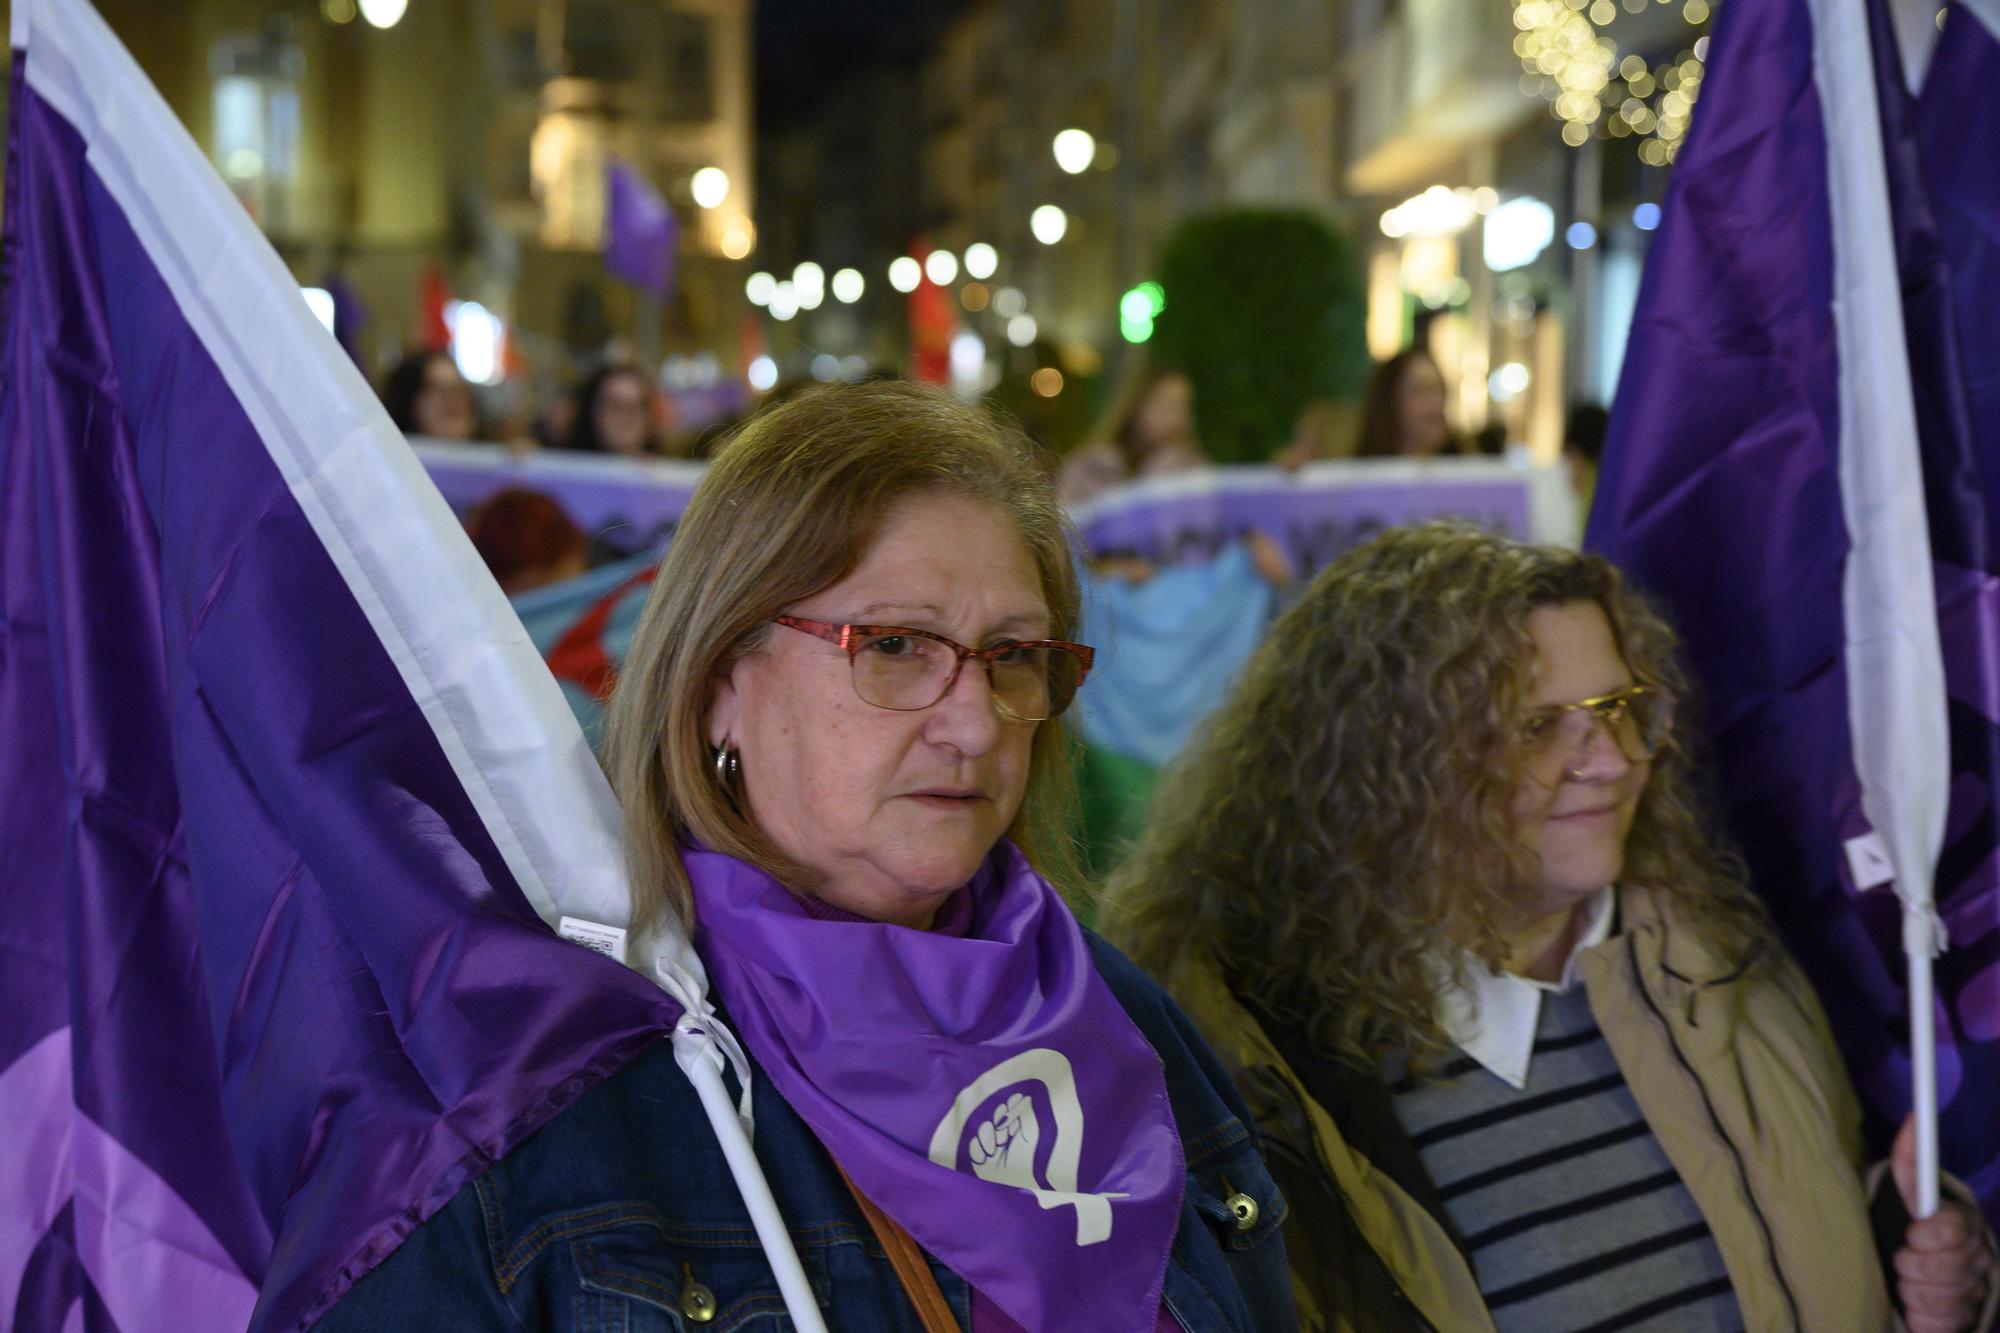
1323 509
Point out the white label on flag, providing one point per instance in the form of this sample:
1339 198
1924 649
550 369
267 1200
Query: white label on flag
1868 860
607 940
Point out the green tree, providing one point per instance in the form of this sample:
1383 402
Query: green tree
1265 312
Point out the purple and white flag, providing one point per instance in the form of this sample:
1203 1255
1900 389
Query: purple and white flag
1802 464
290 802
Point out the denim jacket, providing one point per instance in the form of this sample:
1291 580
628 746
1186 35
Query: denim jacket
621 1214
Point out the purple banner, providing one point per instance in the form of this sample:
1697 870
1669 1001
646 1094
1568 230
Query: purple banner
1323 510
631 504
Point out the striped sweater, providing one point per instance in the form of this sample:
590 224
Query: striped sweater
1568 1207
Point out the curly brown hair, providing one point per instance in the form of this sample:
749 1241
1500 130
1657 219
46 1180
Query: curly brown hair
1337 841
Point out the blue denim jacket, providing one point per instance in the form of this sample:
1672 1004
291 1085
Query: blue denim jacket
621 1214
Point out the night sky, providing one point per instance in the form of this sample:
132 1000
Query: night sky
804 45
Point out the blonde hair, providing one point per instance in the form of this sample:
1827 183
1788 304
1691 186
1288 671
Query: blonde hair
1342 826
789 508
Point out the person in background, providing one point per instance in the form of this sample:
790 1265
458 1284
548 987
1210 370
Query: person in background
427 396
1583 446
616 413
835 740
1149 431
527 540
1324 430
1526 1051
1402 410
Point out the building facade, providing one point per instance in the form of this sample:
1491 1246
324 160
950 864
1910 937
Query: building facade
463 150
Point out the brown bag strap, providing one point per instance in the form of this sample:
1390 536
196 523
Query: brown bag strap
912 1269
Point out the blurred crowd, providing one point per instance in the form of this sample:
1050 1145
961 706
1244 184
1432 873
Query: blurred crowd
1149 429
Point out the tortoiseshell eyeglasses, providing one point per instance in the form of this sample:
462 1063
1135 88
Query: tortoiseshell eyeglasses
908 670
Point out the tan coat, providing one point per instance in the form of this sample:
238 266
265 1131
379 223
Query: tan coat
1738 1076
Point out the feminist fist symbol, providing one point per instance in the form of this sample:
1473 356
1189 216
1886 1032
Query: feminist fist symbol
1003 1151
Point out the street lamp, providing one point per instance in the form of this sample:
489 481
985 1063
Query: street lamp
1049 223
384 13
905 273
710 186
941 266
980 260
848 284
1075 150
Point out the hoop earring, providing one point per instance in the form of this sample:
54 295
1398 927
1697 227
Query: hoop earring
728 766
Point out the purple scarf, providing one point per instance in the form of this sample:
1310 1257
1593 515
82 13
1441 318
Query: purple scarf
986 1091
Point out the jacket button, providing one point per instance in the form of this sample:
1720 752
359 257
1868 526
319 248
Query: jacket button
697 1303
1244 1209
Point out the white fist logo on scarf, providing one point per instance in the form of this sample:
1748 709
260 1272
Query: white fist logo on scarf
1001 1147
1003 1151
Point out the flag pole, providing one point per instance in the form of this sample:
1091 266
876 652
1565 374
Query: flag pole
1921 943
800 1304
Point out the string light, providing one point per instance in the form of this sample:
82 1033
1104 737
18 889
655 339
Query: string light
1596 93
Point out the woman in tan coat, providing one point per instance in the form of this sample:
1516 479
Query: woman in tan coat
1525 1051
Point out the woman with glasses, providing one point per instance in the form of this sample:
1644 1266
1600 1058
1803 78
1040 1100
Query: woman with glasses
837 747
1525 1051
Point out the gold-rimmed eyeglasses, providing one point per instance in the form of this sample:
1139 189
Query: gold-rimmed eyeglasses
1638 719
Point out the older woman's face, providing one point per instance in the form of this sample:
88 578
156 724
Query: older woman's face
894 810
1573 821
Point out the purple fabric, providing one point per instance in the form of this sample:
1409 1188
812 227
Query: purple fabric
639 232
1720 495
1946 225
1313 522
305 1001
986 1091
631 503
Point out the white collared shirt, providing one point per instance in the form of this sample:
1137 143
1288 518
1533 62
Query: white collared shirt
1493 1017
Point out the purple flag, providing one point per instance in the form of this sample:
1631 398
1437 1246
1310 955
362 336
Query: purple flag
288 795
1794 468
640 231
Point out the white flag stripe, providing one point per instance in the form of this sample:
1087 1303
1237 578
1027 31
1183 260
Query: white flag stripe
1895 664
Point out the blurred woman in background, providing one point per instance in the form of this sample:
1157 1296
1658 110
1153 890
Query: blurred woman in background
1149 431
616 413
1402 413
527 540
427 396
